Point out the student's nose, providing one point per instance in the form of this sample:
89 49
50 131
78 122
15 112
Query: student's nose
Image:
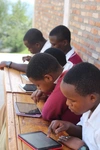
68 103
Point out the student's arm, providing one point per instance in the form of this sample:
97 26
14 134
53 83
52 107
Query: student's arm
19 67
73 140
73 143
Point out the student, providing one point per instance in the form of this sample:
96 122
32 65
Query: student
81 86
60 37
58 54
35 42
46 73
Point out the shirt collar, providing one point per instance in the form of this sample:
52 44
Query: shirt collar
55 82
46 46
69 54
94 115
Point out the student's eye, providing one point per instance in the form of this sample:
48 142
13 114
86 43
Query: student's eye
73 101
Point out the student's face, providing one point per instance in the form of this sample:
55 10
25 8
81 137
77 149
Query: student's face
57 43
33 48
76 103
46 85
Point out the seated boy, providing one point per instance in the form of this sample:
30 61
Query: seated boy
81 86
35 42
60 37
46 73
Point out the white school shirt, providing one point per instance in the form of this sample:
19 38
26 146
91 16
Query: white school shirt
69 64
45 47
91 128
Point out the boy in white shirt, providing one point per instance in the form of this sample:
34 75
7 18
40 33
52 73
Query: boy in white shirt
81 86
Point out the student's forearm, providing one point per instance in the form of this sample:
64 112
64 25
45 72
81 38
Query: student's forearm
19 67
75 130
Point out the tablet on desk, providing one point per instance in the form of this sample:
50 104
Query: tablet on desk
39 141
29 88
27 109
24 76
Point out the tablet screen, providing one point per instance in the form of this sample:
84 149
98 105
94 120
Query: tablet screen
29 87
40 141
28 108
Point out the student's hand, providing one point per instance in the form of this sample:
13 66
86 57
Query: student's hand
26 58
38 95
3 64
71 142
58 126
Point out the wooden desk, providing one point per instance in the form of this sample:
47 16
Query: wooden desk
12 79
17 124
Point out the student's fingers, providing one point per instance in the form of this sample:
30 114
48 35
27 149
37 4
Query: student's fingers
24 59
39 93
28 58
36 95
33 96
56 127
53 127
50 129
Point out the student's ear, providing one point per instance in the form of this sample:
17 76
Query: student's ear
65 42
48 78
38 45
93 98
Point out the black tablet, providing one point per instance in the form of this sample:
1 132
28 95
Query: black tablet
28 87
39 141
27 109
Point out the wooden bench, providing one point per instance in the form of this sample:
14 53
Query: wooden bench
17 124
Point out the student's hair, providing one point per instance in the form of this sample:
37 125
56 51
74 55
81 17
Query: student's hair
33 36
62 33
40 65
58 54
85 77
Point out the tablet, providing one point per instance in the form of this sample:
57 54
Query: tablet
39 141
27 109
24 76
29 88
